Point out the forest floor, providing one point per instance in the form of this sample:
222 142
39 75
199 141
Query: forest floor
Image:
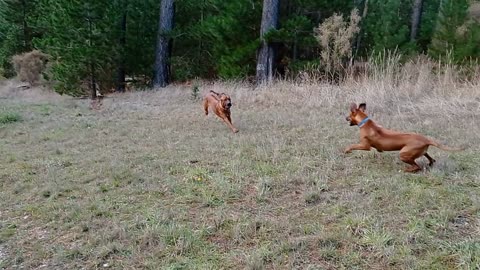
148 181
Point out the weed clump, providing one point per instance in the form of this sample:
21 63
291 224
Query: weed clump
30 66
9 117
335 36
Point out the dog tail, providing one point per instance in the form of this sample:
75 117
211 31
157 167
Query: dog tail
445 148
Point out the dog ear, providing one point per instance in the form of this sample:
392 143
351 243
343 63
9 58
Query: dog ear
353 107
362 107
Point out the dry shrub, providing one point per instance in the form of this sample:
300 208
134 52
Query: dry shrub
420 83
86 88
474 11
335 36
358 70
30 66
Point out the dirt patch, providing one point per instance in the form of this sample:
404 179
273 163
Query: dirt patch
12 89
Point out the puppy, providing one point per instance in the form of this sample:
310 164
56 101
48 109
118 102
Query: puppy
220 104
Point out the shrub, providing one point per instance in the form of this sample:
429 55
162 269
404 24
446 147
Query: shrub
30 66
335 36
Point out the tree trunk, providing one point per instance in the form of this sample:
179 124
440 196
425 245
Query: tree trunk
416 18
93 83
358 40
121 62
162 53
26 43
295 47
266 54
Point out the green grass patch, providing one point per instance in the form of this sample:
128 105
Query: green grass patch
149 182
9 117
7 231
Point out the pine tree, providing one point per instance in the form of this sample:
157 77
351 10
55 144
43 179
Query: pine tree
456 35
141 38
430 10
101 42
79 37
17 30
387 24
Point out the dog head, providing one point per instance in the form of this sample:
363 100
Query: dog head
226 101
356 113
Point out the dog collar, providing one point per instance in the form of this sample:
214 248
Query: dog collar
363 122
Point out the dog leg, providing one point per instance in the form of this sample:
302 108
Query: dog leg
431 161
226 118
359 146
408 158
205 106
414 168
230 125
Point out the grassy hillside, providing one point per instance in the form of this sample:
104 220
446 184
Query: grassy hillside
149 182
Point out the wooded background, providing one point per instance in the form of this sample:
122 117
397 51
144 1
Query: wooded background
103 41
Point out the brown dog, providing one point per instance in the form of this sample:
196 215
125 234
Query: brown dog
220 104
411 145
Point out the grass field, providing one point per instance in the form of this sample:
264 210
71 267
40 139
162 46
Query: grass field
149 182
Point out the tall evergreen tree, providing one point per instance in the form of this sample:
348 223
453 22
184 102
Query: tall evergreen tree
455 35
216 39
430 11
17 29
387 24
141 39
101 42
78 36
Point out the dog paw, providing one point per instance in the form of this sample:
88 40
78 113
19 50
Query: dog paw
235 130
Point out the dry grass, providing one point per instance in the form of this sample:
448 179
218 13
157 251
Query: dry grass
474 11
335 36
29 66
150 182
